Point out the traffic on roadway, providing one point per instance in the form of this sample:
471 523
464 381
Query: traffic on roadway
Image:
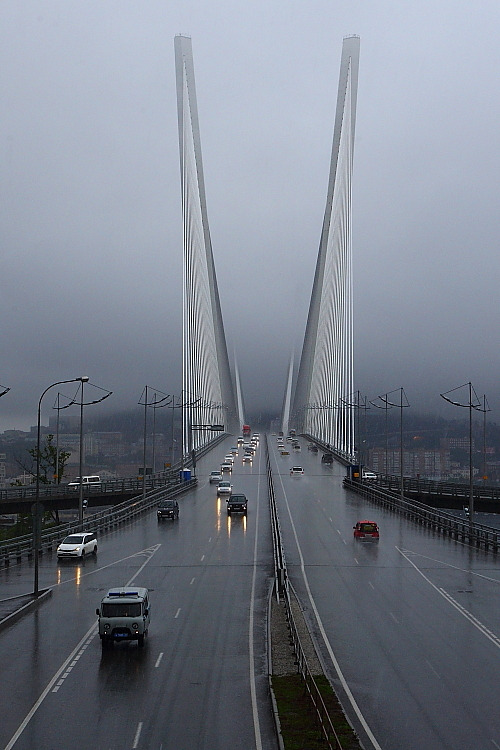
197 680
405 621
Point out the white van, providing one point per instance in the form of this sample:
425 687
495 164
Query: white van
124 615
87 482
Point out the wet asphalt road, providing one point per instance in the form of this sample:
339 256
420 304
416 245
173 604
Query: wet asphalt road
412 620
200 681
407 627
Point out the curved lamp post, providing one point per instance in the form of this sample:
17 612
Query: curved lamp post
155 403
473 403
403 403
357 401
36 519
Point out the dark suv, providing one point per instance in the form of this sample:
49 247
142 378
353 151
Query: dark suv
327 458
168 509
237 504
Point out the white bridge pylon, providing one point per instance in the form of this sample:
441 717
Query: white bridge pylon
325 378
208 393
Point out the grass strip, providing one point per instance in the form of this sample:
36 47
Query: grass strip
299 726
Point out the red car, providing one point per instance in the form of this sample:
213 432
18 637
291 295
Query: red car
366 530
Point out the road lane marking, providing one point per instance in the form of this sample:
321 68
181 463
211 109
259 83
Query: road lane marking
465 612
329 648
356 561
394 618
371 584
192 581
159 659
77 652
210 540
431 667
177 613
202 558
137 735
449 565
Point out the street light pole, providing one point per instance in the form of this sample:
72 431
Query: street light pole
473 403
36 519
80 489
401 405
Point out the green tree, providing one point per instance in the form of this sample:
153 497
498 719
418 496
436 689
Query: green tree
52 462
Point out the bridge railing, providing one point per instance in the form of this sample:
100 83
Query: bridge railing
282 589
432 487
98 522
440 521
278 551
344 458
162 485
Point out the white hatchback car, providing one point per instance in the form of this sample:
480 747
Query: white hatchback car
78 545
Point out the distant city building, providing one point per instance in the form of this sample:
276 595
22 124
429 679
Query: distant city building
429 464
462 443
3 458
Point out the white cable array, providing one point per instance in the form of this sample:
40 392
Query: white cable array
325 376
207 386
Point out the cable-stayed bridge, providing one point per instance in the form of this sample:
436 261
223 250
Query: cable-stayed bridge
406 628
325 376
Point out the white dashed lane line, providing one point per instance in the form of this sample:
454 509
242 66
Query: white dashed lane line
177 613
160 657
74 662
137 735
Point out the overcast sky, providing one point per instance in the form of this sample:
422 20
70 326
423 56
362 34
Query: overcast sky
90 221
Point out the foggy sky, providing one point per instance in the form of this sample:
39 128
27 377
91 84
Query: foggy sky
90 217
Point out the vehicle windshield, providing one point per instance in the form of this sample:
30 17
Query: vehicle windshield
368 528
73 540
167 504
121 609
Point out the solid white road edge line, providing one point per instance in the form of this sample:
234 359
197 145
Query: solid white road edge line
90 633
468 615
342 679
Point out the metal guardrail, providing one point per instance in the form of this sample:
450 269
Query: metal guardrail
112 486
101 521
440 521
443 489
343 458
282 588
325 722
280 574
